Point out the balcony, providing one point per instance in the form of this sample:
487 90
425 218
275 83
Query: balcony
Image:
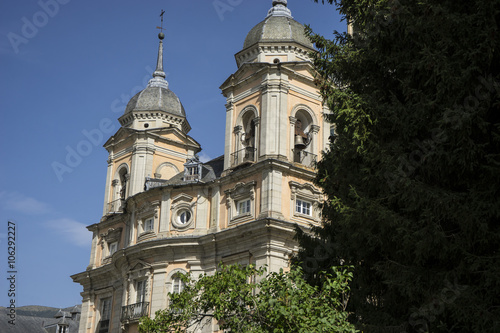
115 206
135 311
305 158
245 155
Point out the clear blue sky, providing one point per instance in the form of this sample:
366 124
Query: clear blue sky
68 67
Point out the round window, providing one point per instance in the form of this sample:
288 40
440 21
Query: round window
184 216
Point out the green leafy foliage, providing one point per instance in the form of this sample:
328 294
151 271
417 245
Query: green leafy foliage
279 302
413 175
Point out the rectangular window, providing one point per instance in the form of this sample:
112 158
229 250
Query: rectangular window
141 291
243 207
139 307
113 247
105 315
149 224
303 207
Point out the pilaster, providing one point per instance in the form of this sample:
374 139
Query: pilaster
315 142
107 189
142 157
158 291
86 310
202 209
272 181
273 131
165 211
229 137
95 239
214 212
291 137
326 127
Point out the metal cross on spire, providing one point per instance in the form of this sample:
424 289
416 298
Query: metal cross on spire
161 15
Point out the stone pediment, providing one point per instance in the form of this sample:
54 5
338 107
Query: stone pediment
139 265
120 135
173 135
182 197
148 208
112 234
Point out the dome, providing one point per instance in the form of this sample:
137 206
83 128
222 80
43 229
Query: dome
278 26
156 98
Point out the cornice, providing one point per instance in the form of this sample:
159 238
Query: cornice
128 118
152 148
286 47
283 166
268 68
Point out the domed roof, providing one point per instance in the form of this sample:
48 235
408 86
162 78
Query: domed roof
278 26
157 96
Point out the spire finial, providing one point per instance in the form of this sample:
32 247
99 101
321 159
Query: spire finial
158 79
161 35
279 2
279 9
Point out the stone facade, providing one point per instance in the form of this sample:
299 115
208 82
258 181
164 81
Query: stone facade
190 216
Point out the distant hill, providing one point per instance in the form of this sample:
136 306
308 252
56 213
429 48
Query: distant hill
29 318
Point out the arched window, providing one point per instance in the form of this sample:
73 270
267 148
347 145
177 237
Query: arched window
245 146
303 137
177 284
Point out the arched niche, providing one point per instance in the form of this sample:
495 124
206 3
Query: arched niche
120 182
166 171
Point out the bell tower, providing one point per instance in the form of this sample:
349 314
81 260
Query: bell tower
166 212
152 142
273 109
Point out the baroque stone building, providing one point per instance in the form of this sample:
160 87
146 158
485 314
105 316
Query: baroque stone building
190 216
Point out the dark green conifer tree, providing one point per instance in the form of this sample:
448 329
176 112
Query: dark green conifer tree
413 171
